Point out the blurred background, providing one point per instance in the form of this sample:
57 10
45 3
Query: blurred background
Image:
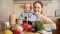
16 6
51 8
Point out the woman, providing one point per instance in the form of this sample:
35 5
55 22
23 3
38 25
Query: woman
37 7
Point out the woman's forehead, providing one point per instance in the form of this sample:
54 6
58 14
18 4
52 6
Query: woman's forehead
37 5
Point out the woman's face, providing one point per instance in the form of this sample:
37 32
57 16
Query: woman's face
37 8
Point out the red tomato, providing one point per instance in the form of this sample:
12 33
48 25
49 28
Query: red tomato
26 27
17 31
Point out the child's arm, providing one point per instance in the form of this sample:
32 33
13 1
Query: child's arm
21 16
32 17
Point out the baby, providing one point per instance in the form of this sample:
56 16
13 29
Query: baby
27 13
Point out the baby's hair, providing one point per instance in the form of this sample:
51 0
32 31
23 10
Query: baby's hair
27 3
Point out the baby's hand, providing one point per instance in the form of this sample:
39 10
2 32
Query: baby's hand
26 18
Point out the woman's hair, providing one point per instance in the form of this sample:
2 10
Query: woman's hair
39 3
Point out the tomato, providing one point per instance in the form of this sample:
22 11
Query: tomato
17 31
26 27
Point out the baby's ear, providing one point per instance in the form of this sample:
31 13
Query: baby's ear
30 7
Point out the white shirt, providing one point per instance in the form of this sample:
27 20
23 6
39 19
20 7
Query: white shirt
46 21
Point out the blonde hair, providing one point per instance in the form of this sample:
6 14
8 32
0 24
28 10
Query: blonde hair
27 3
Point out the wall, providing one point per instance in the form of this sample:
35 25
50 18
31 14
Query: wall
5 9
58 3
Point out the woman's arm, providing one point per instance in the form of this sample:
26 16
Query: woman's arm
49 21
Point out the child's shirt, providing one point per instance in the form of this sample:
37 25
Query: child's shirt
30 15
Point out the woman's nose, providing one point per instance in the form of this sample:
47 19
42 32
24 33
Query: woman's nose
36 8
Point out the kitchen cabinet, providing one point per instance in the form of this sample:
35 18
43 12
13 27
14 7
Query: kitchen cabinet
58 26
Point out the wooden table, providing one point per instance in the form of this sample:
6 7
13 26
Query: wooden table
31 33
38 32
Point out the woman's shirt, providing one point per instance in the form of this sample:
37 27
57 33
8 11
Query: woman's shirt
46 20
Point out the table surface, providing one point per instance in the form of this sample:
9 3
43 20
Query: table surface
38 32
35 32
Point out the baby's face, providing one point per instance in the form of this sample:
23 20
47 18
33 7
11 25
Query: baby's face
27 7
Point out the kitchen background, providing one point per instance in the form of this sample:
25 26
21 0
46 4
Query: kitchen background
8 7
15 6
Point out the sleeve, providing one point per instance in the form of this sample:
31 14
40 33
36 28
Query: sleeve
21 16
32 17
49 21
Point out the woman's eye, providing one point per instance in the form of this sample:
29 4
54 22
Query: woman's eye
38 7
